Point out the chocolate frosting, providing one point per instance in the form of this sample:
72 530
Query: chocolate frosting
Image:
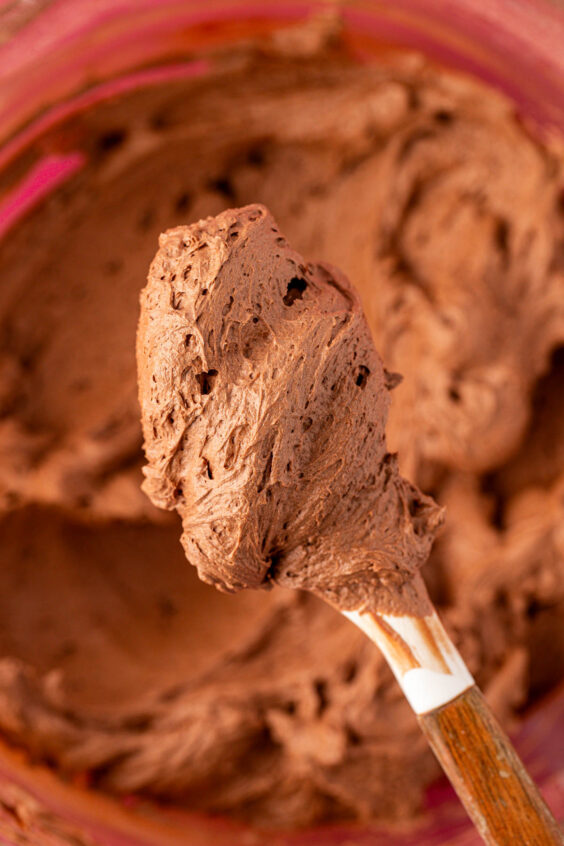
264 406
446 214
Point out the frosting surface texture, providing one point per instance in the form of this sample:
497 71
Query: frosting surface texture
264 406
446 214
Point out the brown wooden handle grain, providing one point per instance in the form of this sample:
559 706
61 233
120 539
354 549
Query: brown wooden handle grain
488 775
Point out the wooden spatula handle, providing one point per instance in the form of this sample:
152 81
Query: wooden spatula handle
486 772
478 758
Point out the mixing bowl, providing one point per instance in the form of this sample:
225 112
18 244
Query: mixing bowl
65 57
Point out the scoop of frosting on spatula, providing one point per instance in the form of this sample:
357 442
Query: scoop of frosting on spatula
264 405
